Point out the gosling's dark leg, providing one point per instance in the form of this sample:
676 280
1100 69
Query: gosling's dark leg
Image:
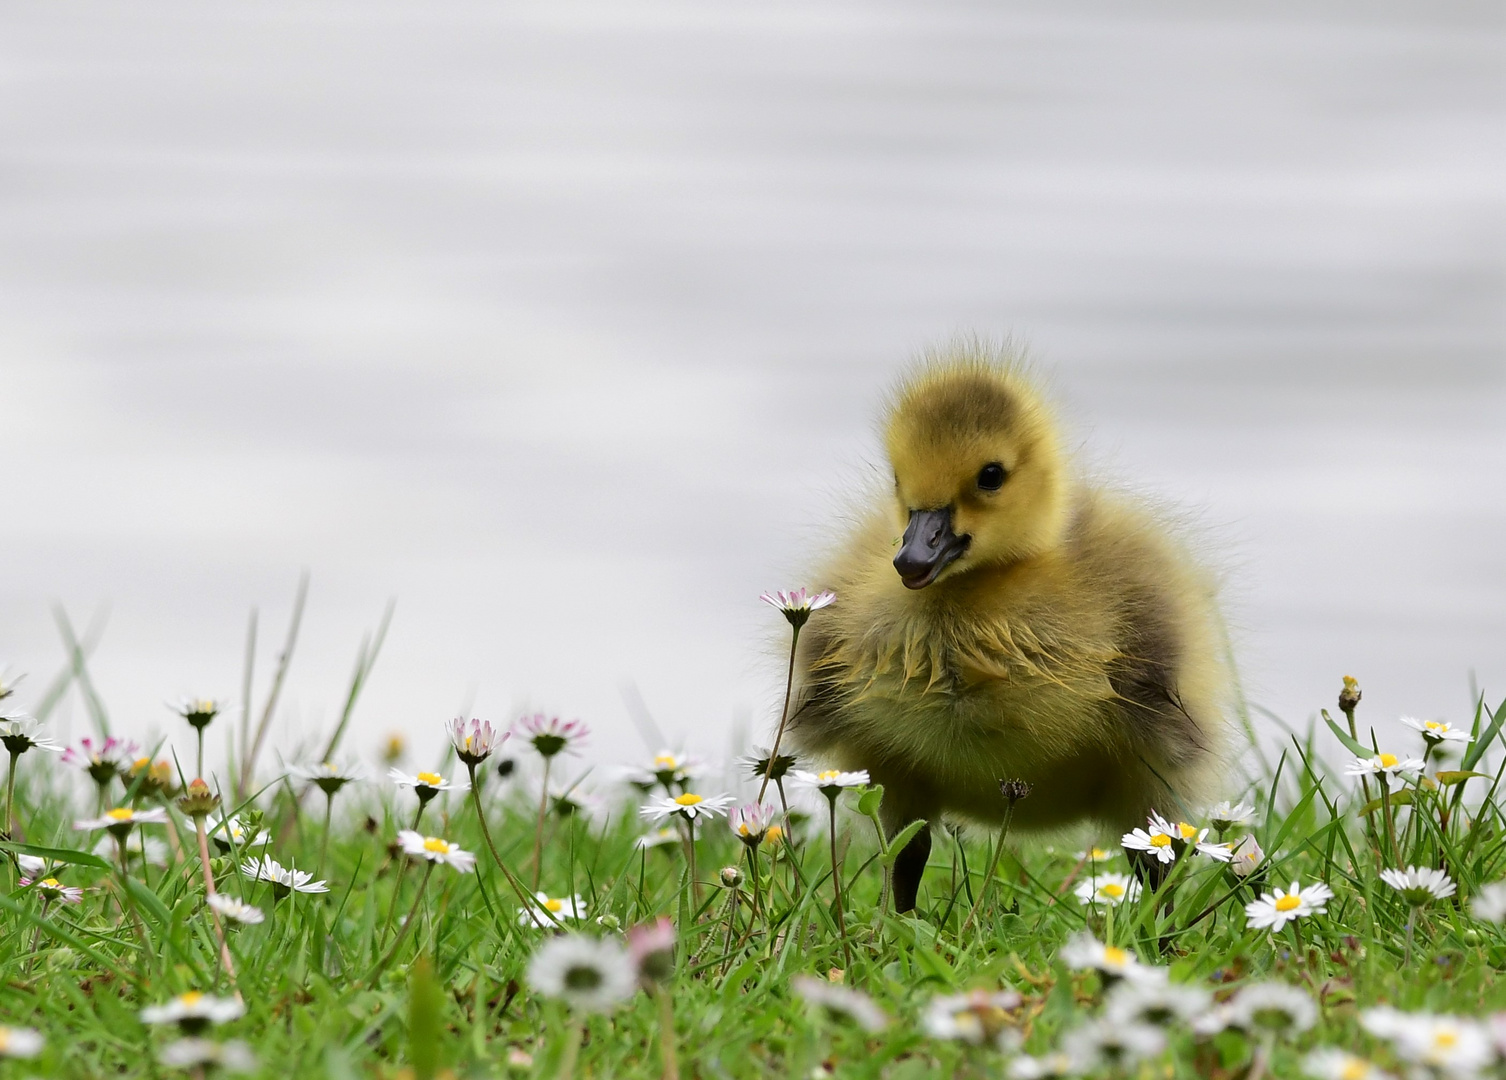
908 868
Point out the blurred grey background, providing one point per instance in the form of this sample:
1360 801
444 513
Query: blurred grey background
566 324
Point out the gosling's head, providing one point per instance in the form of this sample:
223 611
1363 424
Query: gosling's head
978 471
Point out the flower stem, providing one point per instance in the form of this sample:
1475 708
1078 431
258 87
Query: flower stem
572 1048
1262 1056
219 929
329 809
402 931
784 715
525 898
695 885
538 832
993 867
667 1034
1411 920
402 871
10 795
200 729
836 882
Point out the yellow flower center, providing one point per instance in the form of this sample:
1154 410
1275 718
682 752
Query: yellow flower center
141 763
829 776
51 883
1388 761
192 998
1445 1040
434 843
1288 903
687 799
1434 725
554 905
774 835
430 779
743 830
4 1040
1111 889
468 739
120 813
1115 956
1187 831
1098 854
1354 1070
1160 840
665 761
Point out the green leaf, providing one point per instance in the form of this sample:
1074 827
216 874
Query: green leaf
1399 798
868 802
901 838
1355 748
1477 748
62 855
1458 776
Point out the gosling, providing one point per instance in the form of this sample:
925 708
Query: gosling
998 617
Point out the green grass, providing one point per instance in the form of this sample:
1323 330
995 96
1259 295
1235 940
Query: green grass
454 996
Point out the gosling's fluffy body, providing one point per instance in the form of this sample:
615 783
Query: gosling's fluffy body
1075 644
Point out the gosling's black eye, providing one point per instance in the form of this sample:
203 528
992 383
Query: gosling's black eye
991 476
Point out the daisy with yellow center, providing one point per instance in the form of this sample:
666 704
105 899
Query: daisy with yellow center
1383 765
560 907
122 819
687 805
1160 839
1275 909
1084 952
1332 1064
426 785
1109 889
831 782
194 1011
434 849
1437 731
20 1042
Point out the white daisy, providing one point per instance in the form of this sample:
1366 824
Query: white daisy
567 907
51 889
1156 1002
328 776
198 711
1437 731
1083 951
1226 815
550 735
194 1011
1211 1021
284 880
1273 1006
1329 1063
122 819
475 741
235 910
1219 852
152 849
751 822
978 1017
1247 856
232 1056
657 838
1105 1043
1109 889
1096 855
843 1001
1386 764
667 768
1450 1044
419 847
20 1042
1276 909
230 834
1160 839
1025 1067
797 604
20 733
831 782
1419 885
426 785
689 806
590 974
1490 902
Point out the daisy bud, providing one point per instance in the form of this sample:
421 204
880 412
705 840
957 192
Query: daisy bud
609 922
1014 790
1349 697
731 877
198 801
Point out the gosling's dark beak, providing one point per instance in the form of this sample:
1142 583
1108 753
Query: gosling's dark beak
929 546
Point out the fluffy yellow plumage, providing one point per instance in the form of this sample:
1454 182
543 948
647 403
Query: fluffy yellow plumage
998 617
